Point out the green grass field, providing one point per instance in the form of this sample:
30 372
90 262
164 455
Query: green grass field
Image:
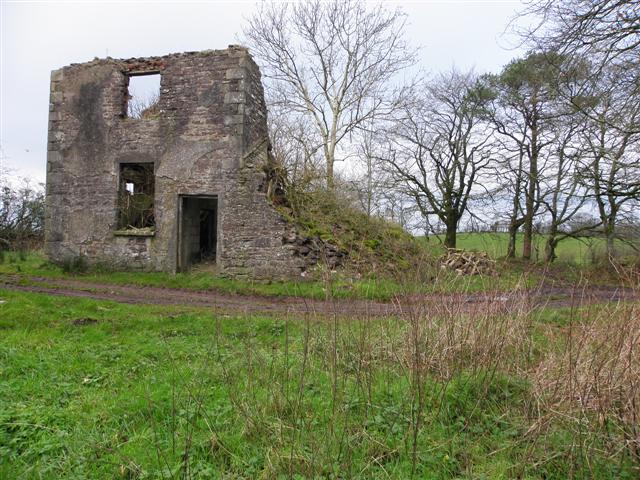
92 389
579 252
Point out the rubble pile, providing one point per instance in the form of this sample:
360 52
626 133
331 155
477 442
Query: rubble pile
314 250
468 263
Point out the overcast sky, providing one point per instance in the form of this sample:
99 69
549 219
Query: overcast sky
40 36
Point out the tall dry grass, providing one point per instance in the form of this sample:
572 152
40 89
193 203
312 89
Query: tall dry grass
326 390
591 382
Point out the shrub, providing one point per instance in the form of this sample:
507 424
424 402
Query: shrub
21 215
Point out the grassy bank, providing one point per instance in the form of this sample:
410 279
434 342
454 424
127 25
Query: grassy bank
92 389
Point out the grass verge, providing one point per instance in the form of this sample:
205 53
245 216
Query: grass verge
336 285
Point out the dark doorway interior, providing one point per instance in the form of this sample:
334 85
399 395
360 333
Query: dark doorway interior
199 230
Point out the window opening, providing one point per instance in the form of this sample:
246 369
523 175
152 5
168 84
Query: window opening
135 196
144 96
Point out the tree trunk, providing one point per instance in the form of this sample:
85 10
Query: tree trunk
450 235
550 248
514 225
527 246
609 235
513 232
329 176
527 243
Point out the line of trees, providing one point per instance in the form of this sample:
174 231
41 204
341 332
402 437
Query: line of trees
552 139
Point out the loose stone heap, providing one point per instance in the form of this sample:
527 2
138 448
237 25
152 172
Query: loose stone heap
468 263
314 250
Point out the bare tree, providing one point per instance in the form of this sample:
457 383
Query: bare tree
442 146
539 130
397 207
511 173
331 61
141 107
612 170
370 179
524 113
607 32
564 195
606 28
292 150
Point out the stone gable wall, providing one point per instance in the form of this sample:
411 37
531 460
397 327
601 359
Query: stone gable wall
210 138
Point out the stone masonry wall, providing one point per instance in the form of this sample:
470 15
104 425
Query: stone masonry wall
209 138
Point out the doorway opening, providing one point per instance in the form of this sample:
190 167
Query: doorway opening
198 231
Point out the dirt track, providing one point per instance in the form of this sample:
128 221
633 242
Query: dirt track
472 302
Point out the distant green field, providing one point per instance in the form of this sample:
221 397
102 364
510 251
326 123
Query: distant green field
571 250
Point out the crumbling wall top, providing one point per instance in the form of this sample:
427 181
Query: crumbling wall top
156 63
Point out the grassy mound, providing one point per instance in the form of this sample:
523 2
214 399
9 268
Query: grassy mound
372 245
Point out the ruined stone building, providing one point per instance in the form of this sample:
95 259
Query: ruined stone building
185 182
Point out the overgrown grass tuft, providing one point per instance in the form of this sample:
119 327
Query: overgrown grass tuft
94 389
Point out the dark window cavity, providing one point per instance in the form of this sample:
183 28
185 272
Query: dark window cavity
135 196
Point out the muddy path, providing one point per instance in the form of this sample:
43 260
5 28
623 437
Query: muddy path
492 302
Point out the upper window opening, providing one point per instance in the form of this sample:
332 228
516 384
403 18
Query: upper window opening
135 199
144 96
